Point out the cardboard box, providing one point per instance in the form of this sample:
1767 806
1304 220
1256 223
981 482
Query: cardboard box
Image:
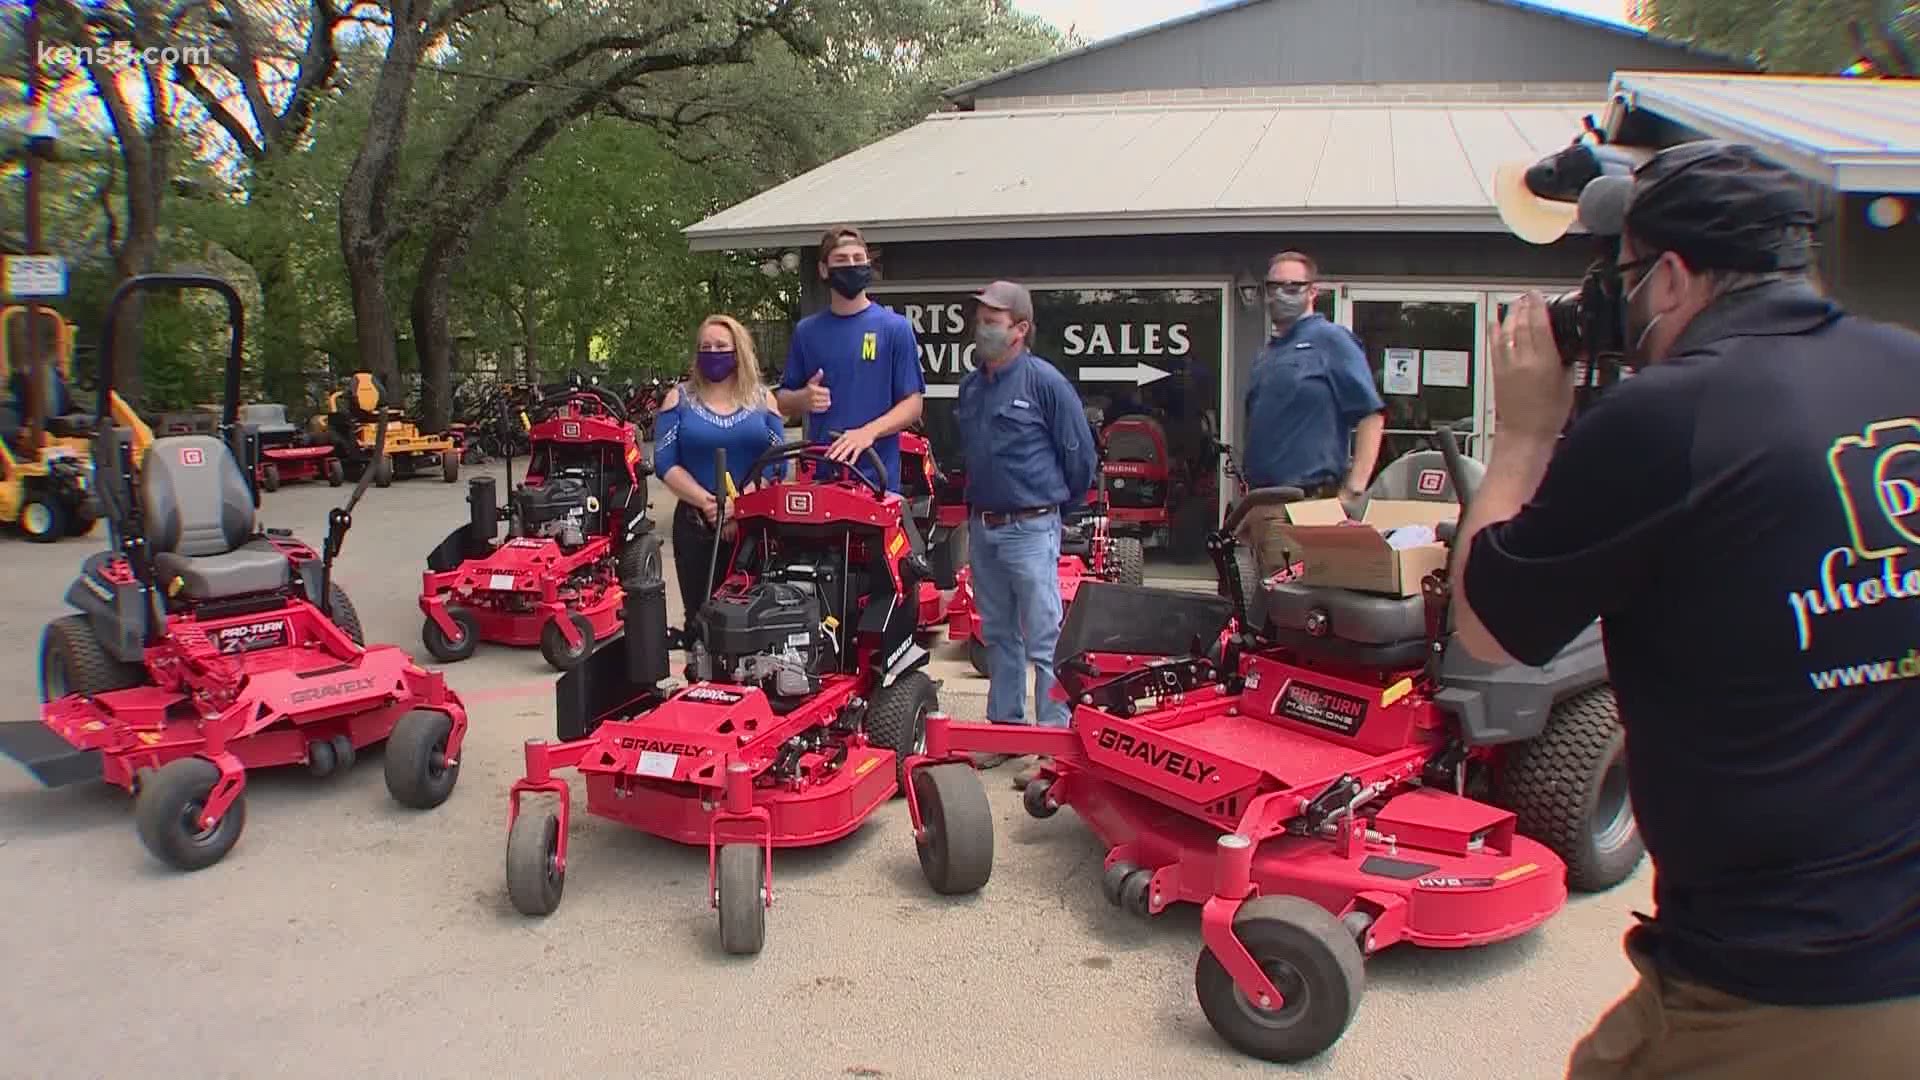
1338 553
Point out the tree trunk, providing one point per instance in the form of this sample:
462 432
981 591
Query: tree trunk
432 331
529 349
365 238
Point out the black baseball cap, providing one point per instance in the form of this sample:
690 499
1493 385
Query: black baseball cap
1721 206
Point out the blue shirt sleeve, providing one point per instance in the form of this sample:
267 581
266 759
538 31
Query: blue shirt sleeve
796 374
666 441
776 436
904 357
1073 441
1353 389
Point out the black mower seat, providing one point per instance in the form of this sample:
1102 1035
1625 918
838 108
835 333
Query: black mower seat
200 521
1342 624
255 567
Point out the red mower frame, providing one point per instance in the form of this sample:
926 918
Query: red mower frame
1317 810
187 667
720 762
535 590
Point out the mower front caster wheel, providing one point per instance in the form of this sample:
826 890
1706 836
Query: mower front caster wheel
418 772
740 887
553 644
534 877
336 473
956 842
1034 798
1309 957
452 650
167 814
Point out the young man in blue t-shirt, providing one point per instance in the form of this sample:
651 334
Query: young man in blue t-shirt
853 371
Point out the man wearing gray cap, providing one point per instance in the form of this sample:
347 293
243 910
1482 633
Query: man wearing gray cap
1029 453
1744 518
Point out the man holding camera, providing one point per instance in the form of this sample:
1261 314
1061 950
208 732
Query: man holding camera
1744 516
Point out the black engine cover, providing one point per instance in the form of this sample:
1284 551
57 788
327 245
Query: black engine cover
561 498
768 617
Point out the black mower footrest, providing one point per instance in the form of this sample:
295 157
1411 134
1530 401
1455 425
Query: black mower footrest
51 759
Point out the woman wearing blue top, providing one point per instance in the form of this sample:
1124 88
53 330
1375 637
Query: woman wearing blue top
724 404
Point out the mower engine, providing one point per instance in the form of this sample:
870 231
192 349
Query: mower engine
563 508
774 633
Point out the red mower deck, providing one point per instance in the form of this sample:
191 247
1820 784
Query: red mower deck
805 695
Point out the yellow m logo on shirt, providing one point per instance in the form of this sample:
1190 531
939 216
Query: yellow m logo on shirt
870 346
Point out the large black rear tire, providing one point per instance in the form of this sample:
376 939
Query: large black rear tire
343 613
1568 786
897 719
1129 561
72 661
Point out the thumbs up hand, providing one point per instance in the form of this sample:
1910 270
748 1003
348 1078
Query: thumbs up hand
819 398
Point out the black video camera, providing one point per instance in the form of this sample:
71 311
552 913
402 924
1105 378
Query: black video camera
1589 323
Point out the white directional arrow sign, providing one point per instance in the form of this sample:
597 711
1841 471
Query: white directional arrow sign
943 390
1139 374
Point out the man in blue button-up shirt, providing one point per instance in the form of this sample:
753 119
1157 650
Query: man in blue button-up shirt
1309 394
1029 455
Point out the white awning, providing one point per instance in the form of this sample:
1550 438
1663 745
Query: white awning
1134 170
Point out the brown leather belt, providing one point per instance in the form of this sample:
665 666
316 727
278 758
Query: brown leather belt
994 519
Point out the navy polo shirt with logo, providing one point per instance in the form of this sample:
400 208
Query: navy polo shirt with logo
1308 389
1744 518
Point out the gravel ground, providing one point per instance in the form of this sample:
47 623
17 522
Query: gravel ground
346 936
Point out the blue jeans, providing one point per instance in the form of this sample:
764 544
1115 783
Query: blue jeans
1016 590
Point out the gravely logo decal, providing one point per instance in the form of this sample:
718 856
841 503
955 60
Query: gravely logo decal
657 746
716 696
1190 769
331 690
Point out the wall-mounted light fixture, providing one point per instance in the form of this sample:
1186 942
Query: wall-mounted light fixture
1247 288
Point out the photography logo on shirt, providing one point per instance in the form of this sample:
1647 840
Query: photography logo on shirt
1877 477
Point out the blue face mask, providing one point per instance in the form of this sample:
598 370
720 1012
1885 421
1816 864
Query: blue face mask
850 281
716 365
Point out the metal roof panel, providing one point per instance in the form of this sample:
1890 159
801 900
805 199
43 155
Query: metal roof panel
1129 164
1816 124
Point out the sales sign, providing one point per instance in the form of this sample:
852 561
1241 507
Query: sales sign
1124 350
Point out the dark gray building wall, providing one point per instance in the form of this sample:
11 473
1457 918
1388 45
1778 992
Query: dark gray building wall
1873 271
1280 42
1428 259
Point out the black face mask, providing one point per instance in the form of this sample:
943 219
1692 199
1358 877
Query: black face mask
850 281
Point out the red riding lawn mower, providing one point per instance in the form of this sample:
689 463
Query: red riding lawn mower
1326 779
1089 551
577 529
1140 480
206 646
288 455
806 694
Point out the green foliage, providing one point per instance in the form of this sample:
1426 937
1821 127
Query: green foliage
1808 36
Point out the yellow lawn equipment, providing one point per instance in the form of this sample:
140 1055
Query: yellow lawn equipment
349 424
46 444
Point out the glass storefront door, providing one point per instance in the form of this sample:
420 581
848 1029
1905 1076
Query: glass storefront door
1424 348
